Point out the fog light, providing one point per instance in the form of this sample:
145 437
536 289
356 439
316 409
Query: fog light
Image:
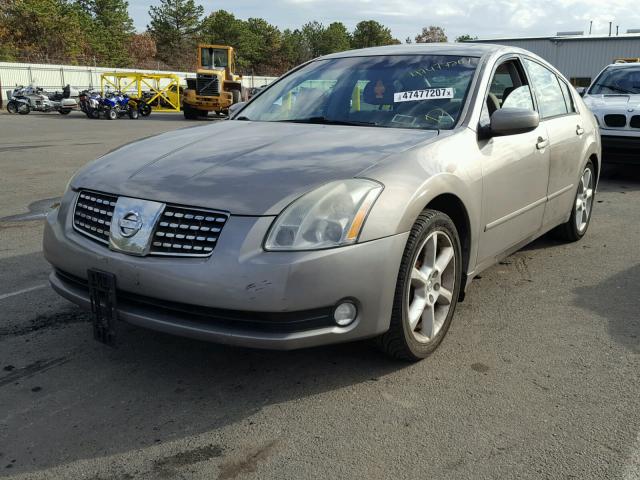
345 313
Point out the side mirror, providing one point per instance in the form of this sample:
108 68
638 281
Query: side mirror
235 108
581 91
512 121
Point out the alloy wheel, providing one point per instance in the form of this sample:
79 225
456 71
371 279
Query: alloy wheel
584 200
429 296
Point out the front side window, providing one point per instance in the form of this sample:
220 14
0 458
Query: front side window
508 89
625 80
547 88
417 91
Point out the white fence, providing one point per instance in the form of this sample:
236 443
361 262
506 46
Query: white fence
54 77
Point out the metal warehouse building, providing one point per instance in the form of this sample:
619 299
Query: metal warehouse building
579 57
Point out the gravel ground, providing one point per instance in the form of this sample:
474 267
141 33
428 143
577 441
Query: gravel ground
539 376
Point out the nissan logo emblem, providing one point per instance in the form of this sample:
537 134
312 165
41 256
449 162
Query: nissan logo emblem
130 224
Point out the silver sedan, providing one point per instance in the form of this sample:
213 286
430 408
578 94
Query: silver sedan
356 197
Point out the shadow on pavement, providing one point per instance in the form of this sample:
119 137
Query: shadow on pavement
615 177
617 299
69 397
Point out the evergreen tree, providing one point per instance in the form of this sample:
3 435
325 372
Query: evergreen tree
112 29
175 25
370 33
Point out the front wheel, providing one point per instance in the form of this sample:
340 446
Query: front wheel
190 113
65 111
112 114
133 113
427 288
12 107
576 227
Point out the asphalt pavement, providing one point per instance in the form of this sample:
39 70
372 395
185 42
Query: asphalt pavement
539 376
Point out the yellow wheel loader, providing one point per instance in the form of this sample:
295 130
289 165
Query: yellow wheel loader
216 86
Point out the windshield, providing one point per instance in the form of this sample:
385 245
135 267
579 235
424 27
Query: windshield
418 91
214 58
617 80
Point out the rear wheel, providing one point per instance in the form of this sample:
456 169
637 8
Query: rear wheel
427 288
144 109
112 114
576 227
12 107
133 113
23 109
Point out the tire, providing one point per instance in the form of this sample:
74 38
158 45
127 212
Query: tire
65 111
133 114
236 96
112 114
12 107
573 230
144 109
411 343
24 109
190 113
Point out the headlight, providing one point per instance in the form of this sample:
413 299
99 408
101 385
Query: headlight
329 216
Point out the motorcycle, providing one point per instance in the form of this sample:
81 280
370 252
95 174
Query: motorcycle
23 100
90 102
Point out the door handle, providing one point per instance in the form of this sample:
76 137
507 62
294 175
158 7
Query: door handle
579 130
542 143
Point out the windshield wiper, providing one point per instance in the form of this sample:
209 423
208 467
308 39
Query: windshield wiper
614 88
326 121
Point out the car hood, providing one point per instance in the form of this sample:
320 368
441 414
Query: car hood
612 103
245 168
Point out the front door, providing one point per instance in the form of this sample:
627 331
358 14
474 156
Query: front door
515 169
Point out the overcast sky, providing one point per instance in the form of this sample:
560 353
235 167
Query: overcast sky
483 18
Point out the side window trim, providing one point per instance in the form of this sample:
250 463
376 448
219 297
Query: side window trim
567 88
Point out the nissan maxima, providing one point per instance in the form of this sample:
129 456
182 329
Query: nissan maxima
356 197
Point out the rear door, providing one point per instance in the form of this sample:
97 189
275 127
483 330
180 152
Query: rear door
515 168
558 113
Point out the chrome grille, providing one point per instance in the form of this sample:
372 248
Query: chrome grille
180 231
92 215
183 231
208 85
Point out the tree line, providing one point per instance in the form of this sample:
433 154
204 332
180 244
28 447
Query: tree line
101 32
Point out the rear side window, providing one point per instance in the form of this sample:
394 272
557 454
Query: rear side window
568 99
547 89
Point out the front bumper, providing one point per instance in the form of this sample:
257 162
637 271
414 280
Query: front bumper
621 149
240 295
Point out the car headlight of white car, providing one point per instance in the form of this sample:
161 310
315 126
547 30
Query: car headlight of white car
329 216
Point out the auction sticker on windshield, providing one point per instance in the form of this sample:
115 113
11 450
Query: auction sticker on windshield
428 94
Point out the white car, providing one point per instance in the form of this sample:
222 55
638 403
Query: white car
614 98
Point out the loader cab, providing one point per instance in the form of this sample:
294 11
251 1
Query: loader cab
215 57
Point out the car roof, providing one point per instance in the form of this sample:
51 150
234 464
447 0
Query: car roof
462 49
624 65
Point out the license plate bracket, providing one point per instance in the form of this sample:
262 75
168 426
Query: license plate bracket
104 312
